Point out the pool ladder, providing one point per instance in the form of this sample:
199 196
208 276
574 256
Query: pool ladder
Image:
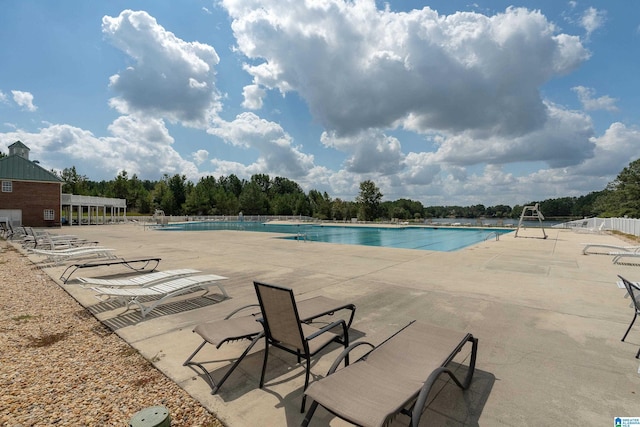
492 234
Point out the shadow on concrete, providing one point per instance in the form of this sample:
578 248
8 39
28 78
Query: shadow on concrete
133 316
282 368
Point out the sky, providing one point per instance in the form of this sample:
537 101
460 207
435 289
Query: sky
444 102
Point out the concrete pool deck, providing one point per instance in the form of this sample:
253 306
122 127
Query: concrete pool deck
549 320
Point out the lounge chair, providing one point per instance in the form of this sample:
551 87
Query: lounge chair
284 329
394 377
593 230
58 256
623 257
161 291
634 292
608 249
46 240
148 264
141 280
247 327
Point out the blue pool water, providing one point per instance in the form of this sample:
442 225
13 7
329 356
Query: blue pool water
427 238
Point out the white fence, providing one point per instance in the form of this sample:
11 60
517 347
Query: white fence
623 225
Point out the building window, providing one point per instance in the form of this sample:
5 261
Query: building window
7 186
49 214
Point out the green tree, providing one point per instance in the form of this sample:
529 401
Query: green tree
232 184
253 201
119 188
139 197
262 181
226 203
178 186
163 198
74 183
200 200
320 204
623 194
368 201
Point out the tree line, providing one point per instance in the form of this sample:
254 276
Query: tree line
264 195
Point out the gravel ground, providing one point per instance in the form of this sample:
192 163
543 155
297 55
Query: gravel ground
59 365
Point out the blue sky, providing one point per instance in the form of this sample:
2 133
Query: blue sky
445 102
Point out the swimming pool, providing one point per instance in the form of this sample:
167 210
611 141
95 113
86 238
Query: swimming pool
406 237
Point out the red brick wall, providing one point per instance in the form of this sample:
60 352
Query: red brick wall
33 198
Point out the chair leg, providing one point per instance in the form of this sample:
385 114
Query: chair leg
307 418
638 354
629 328
306 384
264 363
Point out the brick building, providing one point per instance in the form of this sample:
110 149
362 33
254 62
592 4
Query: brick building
30 195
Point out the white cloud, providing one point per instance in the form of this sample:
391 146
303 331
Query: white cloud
3 97
592 19
170 78
138 145
589 103
253 97
563 140
467 83
371 152
200 156
277 155
358 67
24 100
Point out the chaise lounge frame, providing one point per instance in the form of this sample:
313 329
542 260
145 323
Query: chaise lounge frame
135 264
138 280
634 292
393 377
162 291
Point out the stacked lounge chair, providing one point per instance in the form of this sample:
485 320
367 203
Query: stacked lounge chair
160 291
61 255
141 280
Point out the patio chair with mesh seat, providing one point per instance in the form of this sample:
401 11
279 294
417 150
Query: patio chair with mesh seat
395 377
634 292
243 324
284 329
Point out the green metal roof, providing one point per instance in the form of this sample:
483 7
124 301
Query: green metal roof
18 168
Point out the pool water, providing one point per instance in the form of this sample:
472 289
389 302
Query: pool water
426 238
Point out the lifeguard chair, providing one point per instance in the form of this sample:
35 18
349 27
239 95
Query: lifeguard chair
531 213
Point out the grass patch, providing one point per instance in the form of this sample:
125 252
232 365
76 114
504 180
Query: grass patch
141 382
23 318
45 340
630 238
127 351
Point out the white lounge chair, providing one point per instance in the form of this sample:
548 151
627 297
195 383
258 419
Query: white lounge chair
621 257
161 291
58 256
608 249
592 230
141 280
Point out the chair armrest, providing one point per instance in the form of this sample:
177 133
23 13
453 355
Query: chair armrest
346 352
327 328
237 310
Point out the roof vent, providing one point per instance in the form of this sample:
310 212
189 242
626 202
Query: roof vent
19 149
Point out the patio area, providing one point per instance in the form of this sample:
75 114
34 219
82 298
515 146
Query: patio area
548 318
